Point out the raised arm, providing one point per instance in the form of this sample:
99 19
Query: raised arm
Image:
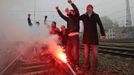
29 20
74 7
61 14
46 22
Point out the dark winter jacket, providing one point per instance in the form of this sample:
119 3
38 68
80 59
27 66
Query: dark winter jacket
72 20
90 35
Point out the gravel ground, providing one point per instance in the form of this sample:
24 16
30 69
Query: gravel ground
112 65
107 65
115 64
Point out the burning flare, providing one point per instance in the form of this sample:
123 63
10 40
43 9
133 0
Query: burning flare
61 55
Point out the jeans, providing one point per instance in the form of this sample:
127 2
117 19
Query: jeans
73 49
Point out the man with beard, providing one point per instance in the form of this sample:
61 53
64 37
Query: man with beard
90 37
72 20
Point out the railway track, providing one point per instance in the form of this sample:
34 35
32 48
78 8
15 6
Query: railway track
48 65
117 49
40 68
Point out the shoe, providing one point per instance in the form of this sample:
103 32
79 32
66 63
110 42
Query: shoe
76 67
86 67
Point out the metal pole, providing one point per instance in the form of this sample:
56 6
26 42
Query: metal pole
128 14
71 69
34 9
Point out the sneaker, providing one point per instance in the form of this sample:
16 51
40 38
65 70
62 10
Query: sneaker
76 67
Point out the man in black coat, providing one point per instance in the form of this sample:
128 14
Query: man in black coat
90 37
72 20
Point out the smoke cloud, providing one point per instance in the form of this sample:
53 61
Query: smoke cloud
16 38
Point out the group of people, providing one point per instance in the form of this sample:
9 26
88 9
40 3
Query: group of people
70 35
90 36
62 33
53 30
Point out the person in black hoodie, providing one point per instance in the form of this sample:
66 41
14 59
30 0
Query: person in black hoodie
72 20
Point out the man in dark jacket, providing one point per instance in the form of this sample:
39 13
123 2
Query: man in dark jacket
54 29
64 36
72 20
90 37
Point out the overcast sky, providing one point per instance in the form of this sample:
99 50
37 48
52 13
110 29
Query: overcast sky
19 9
13 19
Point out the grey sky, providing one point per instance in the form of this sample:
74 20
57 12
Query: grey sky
14 27
115 9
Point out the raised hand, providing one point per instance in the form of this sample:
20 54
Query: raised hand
70 1
57 7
